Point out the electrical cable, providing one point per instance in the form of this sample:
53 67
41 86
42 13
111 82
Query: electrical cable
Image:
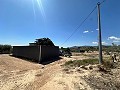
81 23
79 26
102 1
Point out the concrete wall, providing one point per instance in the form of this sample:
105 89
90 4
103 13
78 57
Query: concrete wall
48 52
37 53
29 52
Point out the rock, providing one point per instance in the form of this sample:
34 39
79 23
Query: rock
65 69
91 67
118 67
86 68
82 66
77 69
103 69
42 67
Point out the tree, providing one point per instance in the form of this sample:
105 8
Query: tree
5 49
44 41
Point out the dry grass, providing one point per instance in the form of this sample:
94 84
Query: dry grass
78 63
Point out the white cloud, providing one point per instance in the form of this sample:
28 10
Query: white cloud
103 43
115 39
85 31
97 29
94 42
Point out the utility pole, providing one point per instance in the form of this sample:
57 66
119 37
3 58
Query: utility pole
99 32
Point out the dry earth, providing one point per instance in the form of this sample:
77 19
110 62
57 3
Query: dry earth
18 74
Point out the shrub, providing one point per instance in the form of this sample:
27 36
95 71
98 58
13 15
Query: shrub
109 64
78 63
5 49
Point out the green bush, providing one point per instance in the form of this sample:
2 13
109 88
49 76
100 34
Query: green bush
5 49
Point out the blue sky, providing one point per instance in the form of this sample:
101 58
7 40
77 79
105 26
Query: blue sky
23 21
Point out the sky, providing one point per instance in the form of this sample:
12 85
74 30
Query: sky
23 21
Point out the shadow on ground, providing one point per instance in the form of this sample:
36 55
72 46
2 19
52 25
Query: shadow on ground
50 60
43 62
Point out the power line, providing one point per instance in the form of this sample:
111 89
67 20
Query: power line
82 23
79 25
102 1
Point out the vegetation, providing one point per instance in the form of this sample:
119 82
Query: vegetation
65 49
108 64
43 41
65 52
5 49
78 63
112 48
84 48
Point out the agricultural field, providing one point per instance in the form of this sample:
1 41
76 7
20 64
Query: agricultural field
79 72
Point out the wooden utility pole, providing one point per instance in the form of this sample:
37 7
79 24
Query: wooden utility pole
100 37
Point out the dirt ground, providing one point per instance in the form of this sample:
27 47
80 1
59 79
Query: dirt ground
18 74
